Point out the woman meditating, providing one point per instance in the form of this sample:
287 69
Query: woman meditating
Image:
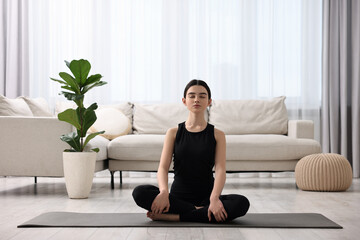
196 147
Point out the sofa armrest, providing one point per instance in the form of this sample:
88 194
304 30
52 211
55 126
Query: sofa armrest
301 129
31 146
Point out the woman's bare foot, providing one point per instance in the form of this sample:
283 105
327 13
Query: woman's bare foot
163 217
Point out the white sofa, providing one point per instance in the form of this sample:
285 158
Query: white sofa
30 142
31 146
258 133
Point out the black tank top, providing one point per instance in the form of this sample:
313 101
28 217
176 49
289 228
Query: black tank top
194 159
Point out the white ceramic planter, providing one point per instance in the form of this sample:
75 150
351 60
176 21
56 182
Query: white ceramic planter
79 170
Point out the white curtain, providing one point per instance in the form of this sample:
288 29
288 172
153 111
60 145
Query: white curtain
147 50
14 71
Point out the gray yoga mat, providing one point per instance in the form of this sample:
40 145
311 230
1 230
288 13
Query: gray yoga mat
251 220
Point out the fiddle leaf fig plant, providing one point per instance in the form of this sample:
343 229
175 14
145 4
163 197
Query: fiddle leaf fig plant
81 118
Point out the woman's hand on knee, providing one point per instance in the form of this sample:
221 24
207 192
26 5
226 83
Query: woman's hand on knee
161 203
216 207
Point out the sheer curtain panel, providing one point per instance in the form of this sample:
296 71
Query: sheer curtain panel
14 59
149 49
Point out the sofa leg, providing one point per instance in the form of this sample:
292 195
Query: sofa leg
112 179
120 177
35 179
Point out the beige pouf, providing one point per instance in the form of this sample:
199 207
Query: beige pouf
323 172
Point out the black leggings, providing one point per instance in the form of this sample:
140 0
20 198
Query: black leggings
235 205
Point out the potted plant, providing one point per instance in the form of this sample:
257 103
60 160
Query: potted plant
79 162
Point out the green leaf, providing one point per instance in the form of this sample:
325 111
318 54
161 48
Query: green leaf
88 117
67 64
88 87
91 136
78 99
72 96
80 69
69 150
70 81
70 116
95 150
80 112
60 81
92 79
93 106
73 140
67 88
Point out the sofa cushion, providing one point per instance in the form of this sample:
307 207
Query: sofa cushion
136 147
112 121
14 107
250 116
238 147
268 147
61 106
101 143
125 108
38 106
158 118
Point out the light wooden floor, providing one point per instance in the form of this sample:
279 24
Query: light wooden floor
21 200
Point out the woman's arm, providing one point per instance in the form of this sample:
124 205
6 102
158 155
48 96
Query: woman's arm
216 207
161 202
